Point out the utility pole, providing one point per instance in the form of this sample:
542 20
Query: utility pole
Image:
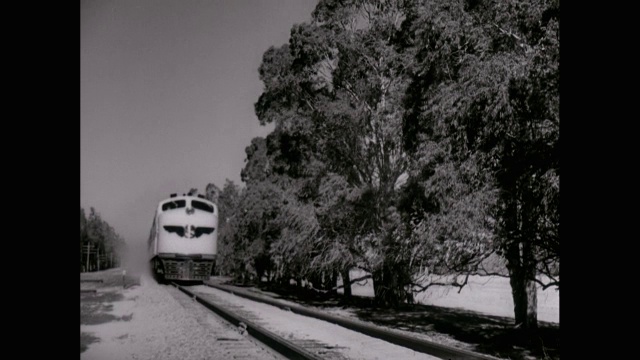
88 252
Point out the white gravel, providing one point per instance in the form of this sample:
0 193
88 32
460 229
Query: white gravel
161 328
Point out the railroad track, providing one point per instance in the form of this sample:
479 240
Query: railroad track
227 341
294 347
249 324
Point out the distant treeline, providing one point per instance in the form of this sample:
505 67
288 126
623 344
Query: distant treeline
412 138
100 245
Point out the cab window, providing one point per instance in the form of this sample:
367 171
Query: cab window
201 206
175 204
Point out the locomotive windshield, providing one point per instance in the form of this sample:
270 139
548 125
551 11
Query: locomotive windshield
175 204
201 206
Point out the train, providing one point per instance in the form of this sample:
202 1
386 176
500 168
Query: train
183 238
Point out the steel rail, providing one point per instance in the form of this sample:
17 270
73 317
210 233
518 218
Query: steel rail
270 339
423 346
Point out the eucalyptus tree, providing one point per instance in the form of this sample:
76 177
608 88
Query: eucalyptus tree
226 200
485 133
458 100
291 161
364 129
253 220
335 94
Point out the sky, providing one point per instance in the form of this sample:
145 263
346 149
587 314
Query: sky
167 89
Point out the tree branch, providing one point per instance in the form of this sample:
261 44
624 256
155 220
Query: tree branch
454 283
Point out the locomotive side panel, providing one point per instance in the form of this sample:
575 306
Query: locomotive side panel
152 241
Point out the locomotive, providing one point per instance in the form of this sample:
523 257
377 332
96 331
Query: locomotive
183 239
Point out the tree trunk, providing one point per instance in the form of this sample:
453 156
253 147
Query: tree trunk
379 287
521 266
346 283
523 287
333 286
259 274
316 281
389 286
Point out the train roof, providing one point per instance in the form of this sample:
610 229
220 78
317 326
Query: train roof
185 196
198 197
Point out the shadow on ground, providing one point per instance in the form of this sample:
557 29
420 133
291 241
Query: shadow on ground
95 308
98 291
492 335
85 340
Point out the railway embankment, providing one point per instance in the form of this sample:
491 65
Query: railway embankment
455 327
